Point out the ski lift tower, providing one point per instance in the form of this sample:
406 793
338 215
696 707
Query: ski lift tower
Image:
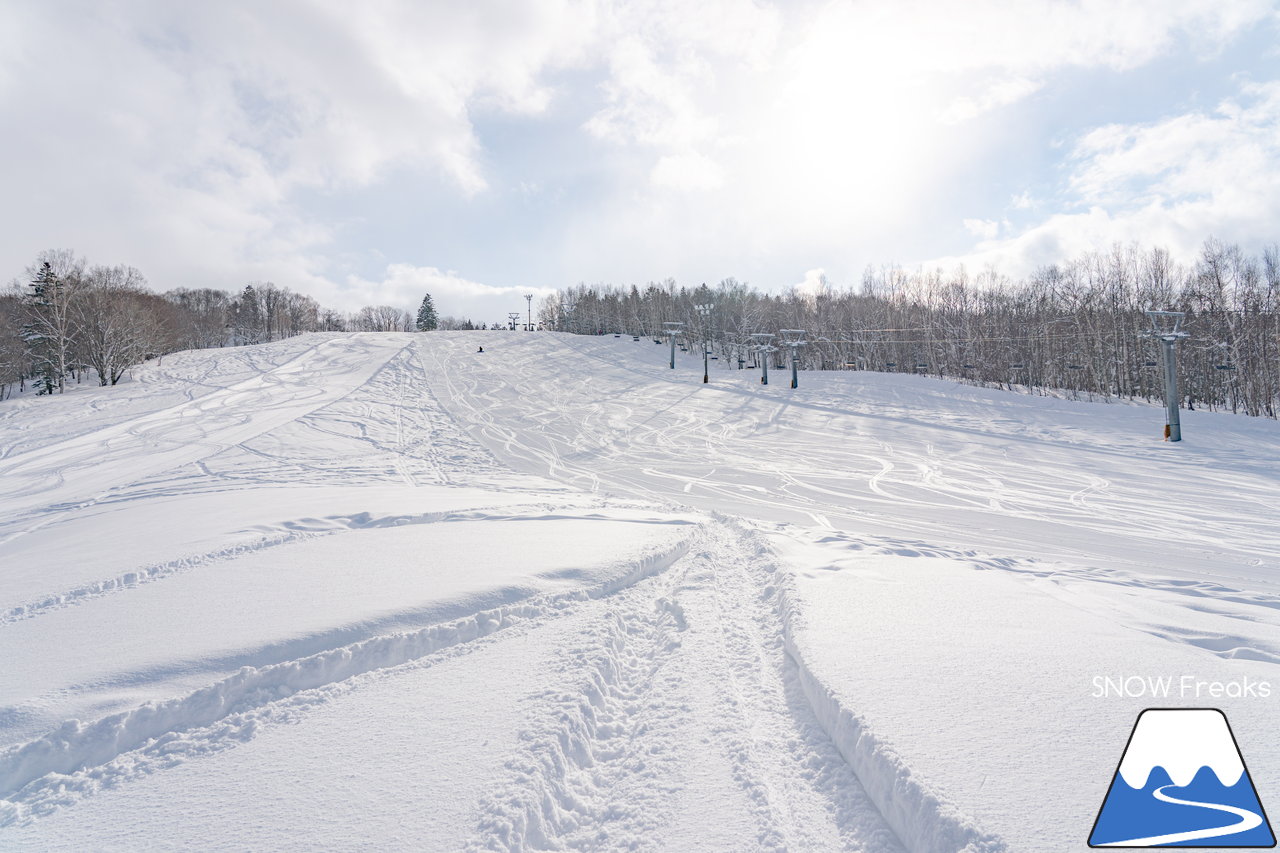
672 329
794 338
765 349
1166 326
705 312
512 316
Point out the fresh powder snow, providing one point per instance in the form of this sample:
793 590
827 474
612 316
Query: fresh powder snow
381 591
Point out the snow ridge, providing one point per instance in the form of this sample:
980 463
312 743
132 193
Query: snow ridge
283 533
77 747
680 676
922 818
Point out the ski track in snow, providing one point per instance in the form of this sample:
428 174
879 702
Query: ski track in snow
271 536
76 473
78 759
858 467
683 663
633 662
691 656
601 766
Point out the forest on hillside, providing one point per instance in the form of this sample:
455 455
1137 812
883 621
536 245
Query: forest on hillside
69 321
1077 326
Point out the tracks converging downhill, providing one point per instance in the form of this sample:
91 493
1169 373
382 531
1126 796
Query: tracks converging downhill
666 684
430 601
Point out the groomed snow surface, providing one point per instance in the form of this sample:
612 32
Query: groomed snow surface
381 591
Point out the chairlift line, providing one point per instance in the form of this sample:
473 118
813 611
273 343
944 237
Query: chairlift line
1166 327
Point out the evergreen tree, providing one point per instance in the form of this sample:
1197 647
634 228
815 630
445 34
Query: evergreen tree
248 316
427 319
48 331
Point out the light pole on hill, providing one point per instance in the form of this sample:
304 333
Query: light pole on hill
528 298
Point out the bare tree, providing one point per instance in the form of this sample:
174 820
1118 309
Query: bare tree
120 324
13 350
1070 328
382 318
204 315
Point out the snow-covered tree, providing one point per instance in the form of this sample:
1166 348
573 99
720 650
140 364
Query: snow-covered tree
427 320
49 328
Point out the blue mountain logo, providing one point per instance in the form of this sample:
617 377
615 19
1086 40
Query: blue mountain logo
1182 783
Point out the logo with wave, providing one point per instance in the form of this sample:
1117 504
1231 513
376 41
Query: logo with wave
1182 783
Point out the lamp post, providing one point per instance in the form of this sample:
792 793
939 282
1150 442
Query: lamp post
705 311
672 328
1169 337
528 298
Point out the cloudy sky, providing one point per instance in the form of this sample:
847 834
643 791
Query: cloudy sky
366 153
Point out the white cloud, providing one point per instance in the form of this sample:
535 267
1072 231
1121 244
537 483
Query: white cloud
690 171
997 94
177 136
830 144
1171 183
815 283
201 142
1040 35
1022 201
982 228
670 63
403 285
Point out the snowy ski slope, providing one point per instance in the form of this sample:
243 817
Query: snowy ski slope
381 591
